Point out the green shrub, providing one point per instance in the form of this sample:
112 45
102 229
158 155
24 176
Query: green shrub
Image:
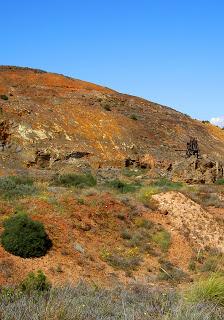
208 290
210 264
192 265
4 97
24 237
75 180
163 239
166 184
35 282
16 186
123 187
146 193
134 117
144 223
219 181
205 121
126 234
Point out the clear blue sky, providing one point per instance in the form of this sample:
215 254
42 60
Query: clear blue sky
168 51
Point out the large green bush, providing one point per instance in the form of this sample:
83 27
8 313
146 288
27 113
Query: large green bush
24 237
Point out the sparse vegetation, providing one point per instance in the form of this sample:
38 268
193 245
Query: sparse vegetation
220 182
207 261
24 237
137 301
144 223
145 195
142 237
210 264
6 268
124 187
17 186
169 272
133 172
121 259
75 180
160 185
206 195
162 239
167 185
192 265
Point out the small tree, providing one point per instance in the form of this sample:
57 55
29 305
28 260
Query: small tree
24 237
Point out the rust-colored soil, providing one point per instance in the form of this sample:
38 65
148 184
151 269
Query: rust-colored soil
95 226
55 115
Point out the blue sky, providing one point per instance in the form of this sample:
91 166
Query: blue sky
168 51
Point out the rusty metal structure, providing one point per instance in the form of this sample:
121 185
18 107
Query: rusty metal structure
192 148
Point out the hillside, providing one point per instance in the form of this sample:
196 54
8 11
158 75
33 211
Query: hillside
52 121
64 146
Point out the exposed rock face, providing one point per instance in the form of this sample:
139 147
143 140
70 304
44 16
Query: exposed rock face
188 217
82 123
193 170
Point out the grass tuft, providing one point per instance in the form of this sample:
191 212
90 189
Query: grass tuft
207 290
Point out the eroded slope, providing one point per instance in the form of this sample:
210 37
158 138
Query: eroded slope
49 120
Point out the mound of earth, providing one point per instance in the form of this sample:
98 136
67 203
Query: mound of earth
197 224
49 121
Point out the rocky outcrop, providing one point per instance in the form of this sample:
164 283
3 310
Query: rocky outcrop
199 171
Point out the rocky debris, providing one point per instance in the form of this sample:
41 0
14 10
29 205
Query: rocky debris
4 134
191 220
42 159
199 171
78 247
108 173
77 155
145 161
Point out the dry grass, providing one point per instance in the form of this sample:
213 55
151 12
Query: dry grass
82 302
